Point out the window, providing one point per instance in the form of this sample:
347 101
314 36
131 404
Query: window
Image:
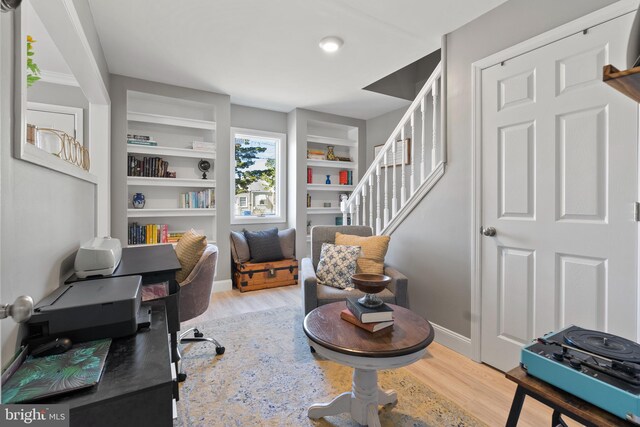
258 179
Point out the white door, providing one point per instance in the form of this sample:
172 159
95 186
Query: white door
559 179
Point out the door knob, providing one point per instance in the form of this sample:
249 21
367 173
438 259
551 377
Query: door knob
488 231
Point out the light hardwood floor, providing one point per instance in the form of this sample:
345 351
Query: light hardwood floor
482 390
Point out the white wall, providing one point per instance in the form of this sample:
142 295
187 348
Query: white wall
44 215
432 246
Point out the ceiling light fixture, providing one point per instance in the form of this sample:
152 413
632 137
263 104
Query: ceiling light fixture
331 43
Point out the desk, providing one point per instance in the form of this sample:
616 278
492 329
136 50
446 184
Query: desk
156 263
560 401
136 387
402 344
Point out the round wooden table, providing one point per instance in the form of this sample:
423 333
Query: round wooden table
338 340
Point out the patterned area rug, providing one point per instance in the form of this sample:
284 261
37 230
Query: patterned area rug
268 377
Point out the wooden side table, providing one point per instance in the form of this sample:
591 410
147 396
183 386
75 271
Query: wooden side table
560 401
366 352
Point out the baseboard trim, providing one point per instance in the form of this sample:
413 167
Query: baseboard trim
453 340
222 285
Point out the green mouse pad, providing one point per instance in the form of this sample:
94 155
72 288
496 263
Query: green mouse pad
39 377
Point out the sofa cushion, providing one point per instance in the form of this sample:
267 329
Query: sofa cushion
288 242
337 264
374 248
189 249
264 245
239 247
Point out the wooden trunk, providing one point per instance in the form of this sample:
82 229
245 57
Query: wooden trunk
252 276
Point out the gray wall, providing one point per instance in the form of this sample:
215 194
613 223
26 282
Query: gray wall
118 93
432 246
259 119
44 215
379 129
86 18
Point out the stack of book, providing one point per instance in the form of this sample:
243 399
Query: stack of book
141 140
148 234
315 154
204 199
345 177
153 167
173 237
369 319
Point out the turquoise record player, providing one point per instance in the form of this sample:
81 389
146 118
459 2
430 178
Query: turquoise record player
601 368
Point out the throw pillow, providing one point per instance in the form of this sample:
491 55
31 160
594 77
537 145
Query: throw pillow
288 242
264 245
239 247
337 264
374 248
189 250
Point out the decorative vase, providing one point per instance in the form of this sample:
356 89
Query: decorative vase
138 201
330 154
328 181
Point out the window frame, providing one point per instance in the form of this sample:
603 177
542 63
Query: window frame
281 176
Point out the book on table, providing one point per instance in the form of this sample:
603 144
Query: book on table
371 327
384 313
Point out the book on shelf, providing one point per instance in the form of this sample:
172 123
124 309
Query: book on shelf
309 175
204 199
343 177
139 137
142 142
148 234
315 156
384 313
153 167
204 146
371 327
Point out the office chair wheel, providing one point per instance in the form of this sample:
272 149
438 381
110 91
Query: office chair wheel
219 350
181 377
197 333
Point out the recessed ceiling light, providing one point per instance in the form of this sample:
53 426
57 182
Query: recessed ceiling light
331 43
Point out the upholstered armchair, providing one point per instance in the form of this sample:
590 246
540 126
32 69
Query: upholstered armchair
195 295
314 294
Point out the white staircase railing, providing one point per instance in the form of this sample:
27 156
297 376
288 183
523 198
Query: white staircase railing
369 201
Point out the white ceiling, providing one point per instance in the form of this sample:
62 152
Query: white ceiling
264 53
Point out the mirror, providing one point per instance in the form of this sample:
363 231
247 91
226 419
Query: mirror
52 104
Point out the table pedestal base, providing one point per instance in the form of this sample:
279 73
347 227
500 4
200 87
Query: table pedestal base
361 402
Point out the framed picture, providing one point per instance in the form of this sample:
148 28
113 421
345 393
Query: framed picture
398 159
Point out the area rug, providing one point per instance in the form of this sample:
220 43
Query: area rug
268 377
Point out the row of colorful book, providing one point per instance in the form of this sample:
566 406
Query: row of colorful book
370 319
153 167
345 177
149 234
204 199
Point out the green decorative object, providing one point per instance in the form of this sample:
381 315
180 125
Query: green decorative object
39 377
33 72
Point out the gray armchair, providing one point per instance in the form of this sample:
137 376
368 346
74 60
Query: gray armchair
314 294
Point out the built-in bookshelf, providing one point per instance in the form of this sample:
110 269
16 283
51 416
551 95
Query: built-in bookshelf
332 152
169 142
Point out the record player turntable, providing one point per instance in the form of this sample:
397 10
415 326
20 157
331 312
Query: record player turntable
601 368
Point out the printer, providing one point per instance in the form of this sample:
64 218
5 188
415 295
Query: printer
88 310
99 256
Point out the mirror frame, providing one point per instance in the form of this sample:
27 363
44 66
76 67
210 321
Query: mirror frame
74 46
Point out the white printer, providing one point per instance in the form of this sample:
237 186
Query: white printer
100 256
